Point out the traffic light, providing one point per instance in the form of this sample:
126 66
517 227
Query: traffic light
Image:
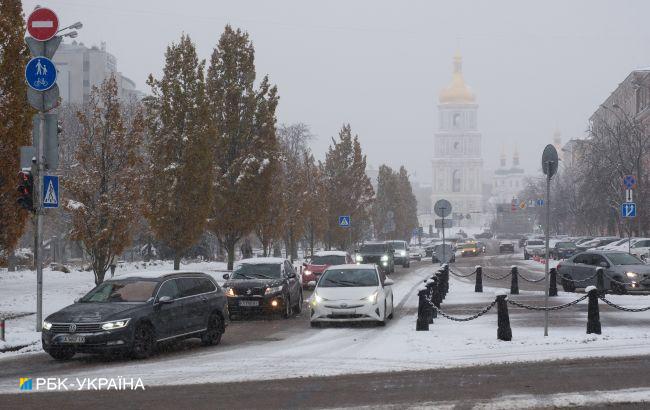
26 190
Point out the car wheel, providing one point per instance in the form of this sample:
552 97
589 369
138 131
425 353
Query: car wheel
298 308
315 324
567 285
617 288
62 354
212 336
392 310
286 312
143 342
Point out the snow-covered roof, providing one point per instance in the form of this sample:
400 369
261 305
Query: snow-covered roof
354 266
260 261
331 253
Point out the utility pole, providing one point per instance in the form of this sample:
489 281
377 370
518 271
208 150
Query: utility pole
43 95
549 166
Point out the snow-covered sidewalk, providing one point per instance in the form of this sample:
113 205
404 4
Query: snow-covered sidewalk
344 350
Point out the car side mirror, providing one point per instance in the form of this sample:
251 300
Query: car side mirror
291 275
77 300
164 300
388 282
604 264
226 276
311 285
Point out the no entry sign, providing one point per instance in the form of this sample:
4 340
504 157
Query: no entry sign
42 24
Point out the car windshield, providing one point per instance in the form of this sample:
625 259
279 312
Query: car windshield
565 245
333 278
257 271
373 248
534 243
467 246
121 291
623 259
328 260
398 245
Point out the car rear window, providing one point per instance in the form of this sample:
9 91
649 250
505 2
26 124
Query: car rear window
328 260
257 271
398 245
333 278
534 243
373 248
121 291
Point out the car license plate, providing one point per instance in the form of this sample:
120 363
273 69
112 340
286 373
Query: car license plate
249 303
73 339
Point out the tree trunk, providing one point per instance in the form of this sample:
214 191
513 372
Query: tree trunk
11 261
177 261
230 250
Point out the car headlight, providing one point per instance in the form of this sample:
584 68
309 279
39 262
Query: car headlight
402 253
230 292
47 325
384 258
359 258
273 289
116 324
306 272
317 299
631 275
372 298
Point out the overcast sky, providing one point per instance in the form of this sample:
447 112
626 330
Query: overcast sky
379 65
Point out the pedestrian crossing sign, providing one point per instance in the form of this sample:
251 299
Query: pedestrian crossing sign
344 221
50 191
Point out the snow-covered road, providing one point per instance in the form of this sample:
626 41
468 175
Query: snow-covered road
344 350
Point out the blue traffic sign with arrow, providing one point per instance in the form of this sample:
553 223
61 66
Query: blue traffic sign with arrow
628 210
40 73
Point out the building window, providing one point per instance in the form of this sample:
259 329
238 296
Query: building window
455 181
456 120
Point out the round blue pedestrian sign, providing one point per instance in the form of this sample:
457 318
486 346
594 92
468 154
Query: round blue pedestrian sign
40 73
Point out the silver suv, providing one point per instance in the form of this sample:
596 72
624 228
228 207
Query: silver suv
623 272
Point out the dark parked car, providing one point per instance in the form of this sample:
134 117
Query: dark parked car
379 253
620 266
563 250
484 235
263 286
506 247
134 313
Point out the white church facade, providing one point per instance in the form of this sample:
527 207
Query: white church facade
457 160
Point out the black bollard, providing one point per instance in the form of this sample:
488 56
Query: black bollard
435 299
445 280
514 281
552 286
600 281
503 331
593 315
422 322
479 280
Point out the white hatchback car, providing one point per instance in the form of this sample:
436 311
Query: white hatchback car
351 293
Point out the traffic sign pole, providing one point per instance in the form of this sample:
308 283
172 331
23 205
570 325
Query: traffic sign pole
39 223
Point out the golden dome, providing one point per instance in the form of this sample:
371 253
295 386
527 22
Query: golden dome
457 92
